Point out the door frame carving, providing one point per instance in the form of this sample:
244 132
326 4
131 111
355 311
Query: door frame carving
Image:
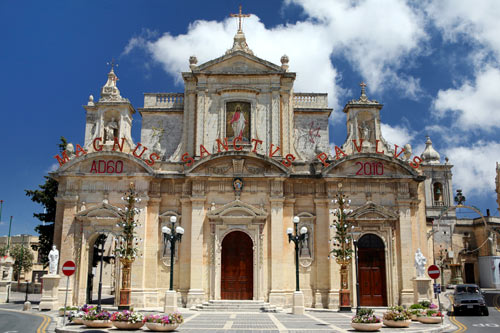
236 216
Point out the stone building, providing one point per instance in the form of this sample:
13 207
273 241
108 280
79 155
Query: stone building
235 157
31 243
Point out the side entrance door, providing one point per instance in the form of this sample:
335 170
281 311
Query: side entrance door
371 266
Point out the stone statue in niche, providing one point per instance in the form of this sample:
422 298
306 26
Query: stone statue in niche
53 260
111 130
420 262
304 248
365 131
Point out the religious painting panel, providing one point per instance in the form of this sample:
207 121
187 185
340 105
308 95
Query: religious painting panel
238 121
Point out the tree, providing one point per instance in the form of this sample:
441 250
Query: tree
23 259
45 196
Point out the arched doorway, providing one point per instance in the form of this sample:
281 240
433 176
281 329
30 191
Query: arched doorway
371 266
237 266
102 241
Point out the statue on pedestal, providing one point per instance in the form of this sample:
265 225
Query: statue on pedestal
53 260
420 262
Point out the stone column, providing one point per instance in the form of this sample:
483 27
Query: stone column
67 251
277 236
151 242
185 248
196 294
406 267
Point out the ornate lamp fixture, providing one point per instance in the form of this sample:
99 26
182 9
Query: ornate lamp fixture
127 244
297 239
342 245
172 235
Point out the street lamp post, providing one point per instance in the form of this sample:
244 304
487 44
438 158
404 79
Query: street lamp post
99 291
342 249
172 235
297 238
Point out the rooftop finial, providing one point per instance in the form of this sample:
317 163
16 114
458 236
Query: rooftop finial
112 63
363 88
240 16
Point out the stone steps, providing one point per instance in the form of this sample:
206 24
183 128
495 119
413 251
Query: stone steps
236 306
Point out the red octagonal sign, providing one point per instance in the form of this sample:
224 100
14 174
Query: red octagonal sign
433 272
68 268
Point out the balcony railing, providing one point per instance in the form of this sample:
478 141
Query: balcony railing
310 100
164 100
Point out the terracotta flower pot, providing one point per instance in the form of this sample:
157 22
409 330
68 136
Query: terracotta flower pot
429 320
161 327
78 321
98 323
397 323
366 327
414 317
126 325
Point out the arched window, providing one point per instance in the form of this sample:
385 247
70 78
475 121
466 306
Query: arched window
438 194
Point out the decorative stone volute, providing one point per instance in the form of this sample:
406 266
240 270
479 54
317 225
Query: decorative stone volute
430 155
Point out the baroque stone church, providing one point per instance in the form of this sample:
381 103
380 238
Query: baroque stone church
235 158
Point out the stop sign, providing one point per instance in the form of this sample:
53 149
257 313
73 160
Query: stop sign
433 272
68 268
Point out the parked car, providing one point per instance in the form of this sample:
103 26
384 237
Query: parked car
468 297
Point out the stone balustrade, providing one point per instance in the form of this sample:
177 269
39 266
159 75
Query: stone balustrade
310 100
164 100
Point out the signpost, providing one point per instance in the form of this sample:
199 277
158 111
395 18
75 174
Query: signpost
68 269
434 274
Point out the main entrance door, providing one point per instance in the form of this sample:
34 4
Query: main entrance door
371 266
237 266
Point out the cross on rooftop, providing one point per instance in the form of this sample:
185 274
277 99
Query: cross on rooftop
363 86
239 15
112 63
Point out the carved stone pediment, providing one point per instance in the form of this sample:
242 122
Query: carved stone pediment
239 164
101 212
238 212
372 211
238 62
371 165
110 163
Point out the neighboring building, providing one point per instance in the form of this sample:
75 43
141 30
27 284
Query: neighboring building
29 242
466 249
235 157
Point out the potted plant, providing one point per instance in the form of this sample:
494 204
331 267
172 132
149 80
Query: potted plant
76 316
430 316
397 316
163 322
366 321
127 320
67 309
96 319
414 310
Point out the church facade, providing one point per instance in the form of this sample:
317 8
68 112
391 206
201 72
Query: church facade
235 158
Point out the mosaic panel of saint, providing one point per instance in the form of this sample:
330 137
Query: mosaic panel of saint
238 121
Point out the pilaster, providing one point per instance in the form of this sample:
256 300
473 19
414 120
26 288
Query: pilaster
277 236
322 236
196 292
406 251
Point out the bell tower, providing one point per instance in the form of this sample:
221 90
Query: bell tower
110 119
363 126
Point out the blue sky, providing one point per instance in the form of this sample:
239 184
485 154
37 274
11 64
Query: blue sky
434 66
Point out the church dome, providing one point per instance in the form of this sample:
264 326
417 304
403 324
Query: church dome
430 155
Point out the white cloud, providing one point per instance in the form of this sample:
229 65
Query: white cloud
476 105
474 167
399 135
53 168
476 21
377 48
